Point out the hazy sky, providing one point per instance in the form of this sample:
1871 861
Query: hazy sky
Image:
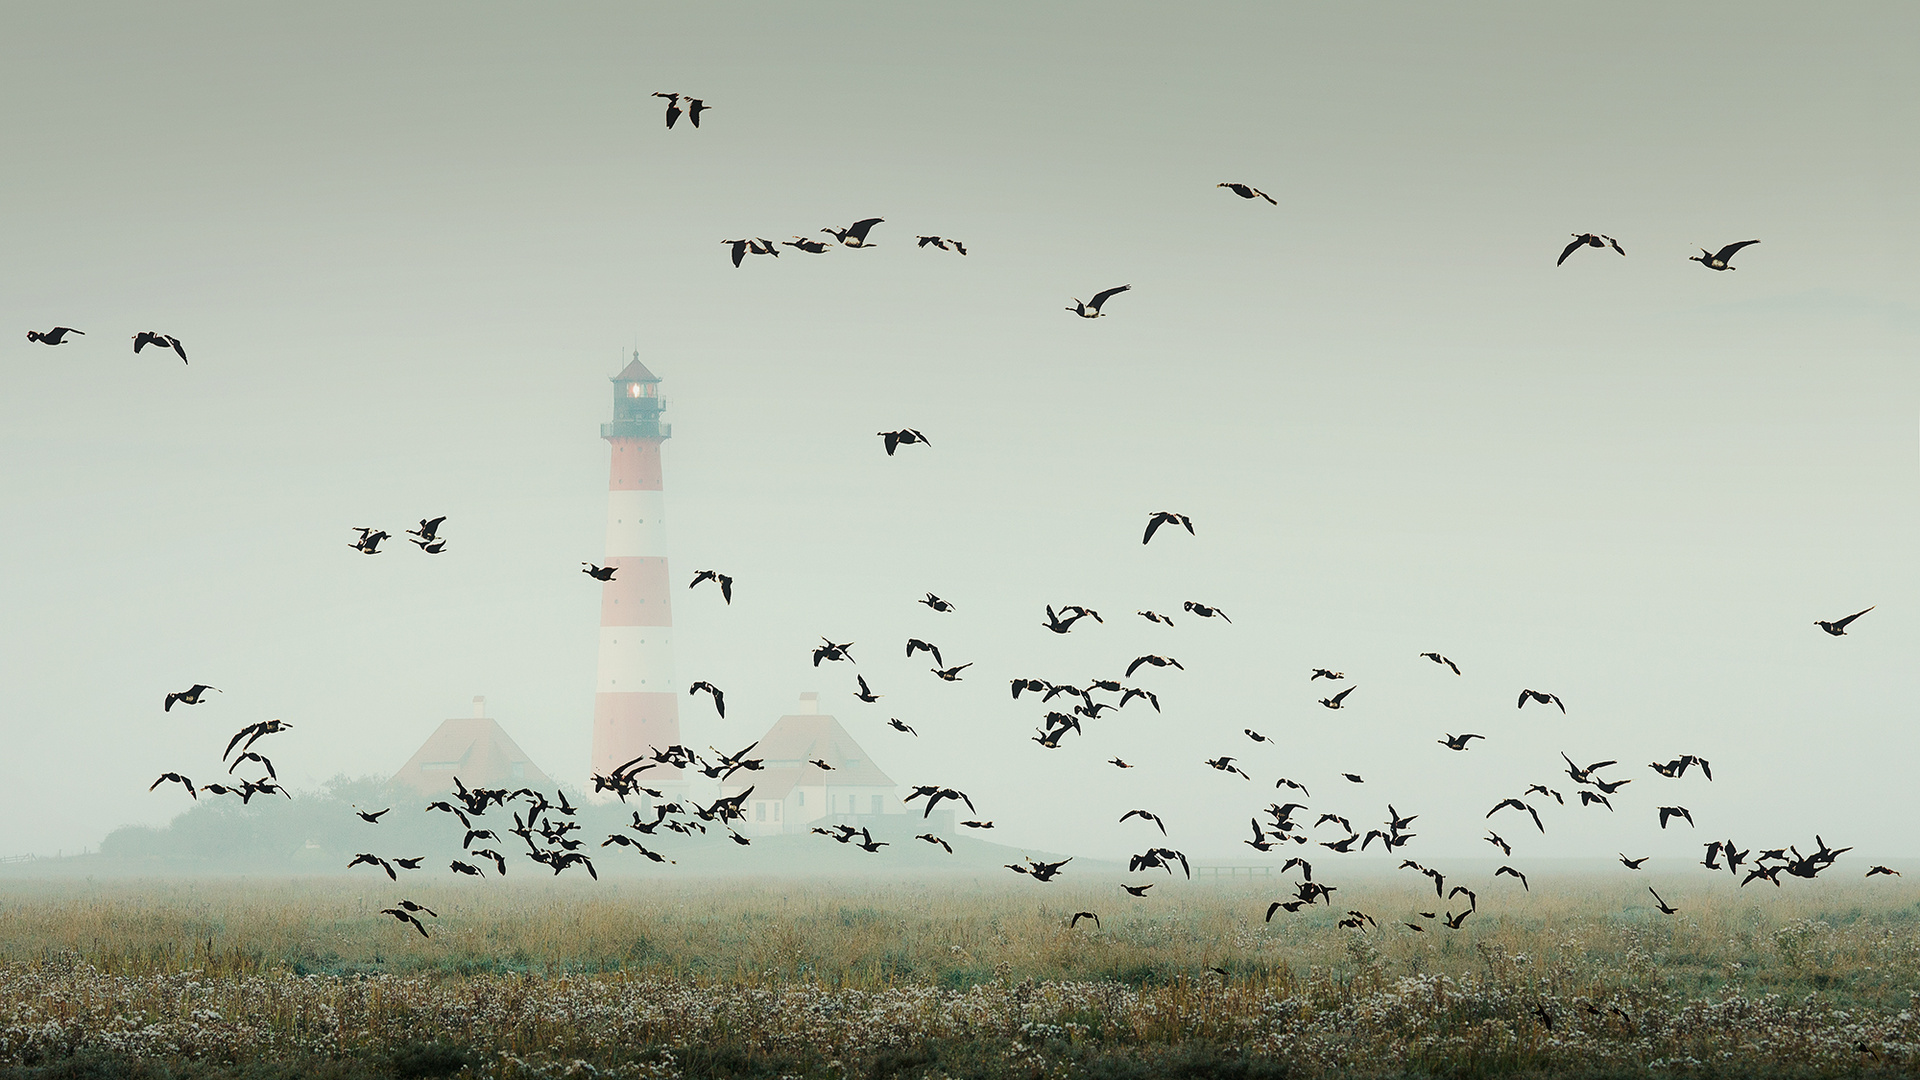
405 245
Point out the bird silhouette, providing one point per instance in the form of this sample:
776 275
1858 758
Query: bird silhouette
916 645
1458 742
810 246
1581 240
1138 890
1205 612
896 725
942 243
1838 629
407 918
249 755
1117 763
854 235
176 778
951 674
1882 871
1323 673
253 733
1667 812
429 530
831 651
374 860
189 696
55 336
1665 908
1154 616
372 818
696 106
597 572
1511 872
1518 805
1259 841
1078 915
719 699
1719 260
1225 764
936 603
1155 661
1494 839
1337 701
738 250
1247 192
1633 864
673 108
932 839
718 578
1091 309
1045 871
1145 815
369 542
1544 699
1165 517
903 437
1438 659
148 337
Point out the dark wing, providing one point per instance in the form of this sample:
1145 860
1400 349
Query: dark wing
1101 297
1841 625
1578 243
1153 526
1726 253
859 229
893 441
177 347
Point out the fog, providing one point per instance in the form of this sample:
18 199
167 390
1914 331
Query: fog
406 247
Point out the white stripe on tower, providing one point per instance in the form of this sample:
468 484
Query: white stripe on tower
635 706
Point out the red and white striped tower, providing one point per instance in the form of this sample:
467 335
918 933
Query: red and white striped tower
635 707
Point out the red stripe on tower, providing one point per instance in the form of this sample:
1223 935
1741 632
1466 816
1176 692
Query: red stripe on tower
635 706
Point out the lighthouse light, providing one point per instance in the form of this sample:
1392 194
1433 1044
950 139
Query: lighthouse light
633 389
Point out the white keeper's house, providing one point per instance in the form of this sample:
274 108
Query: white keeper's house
791 794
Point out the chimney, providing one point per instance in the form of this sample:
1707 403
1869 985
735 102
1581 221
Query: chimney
810 703
479 707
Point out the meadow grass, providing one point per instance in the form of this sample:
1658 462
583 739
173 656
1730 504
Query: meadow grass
951 976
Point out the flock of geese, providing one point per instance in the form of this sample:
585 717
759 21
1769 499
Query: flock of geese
546 827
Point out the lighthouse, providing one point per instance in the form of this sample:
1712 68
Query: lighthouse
635 708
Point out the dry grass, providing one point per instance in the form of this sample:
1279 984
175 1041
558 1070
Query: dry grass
808 978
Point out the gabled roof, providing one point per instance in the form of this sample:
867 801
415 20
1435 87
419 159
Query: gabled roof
794 741
477 750
636 372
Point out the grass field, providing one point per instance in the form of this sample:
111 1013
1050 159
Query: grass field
953 977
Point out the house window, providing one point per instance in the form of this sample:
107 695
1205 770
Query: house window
876 804
776 811
803 799
759 811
